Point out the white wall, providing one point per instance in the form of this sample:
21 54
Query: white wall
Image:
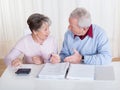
14 13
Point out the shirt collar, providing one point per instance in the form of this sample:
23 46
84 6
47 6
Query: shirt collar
89 33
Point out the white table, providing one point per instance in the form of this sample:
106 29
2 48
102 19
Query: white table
10 81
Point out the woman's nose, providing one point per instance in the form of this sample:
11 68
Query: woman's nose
48 32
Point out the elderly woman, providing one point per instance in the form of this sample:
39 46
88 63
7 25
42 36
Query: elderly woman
36 47
85 42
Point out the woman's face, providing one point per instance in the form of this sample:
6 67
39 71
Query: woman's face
43 32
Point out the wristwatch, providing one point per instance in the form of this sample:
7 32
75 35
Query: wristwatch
82 57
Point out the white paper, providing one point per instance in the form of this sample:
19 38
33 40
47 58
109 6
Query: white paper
54 71
104 72
81 71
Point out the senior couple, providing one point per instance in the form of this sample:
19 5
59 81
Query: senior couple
84 42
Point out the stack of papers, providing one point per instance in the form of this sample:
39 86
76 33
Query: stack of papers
54 71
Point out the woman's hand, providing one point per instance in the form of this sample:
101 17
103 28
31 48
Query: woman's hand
37 60
55 58
16 62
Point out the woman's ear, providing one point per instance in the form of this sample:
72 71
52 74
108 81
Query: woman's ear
34 32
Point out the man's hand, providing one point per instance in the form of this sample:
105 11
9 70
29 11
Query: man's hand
16 62
55 58
75 58
37 60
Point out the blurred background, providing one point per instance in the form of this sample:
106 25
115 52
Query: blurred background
14 14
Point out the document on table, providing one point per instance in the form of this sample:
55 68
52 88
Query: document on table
76 71
54 71
105 72
81 72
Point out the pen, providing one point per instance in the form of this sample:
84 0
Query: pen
50 57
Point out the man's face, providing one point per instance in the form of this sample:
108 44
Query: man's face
75 28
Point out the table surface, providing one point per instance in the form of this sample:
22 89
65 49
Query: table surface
11 81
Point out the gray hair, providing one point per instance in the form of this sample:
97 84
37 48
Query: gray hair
83 15
36 20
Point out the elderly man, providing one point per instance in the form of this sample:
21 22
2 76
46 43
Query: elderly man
84 42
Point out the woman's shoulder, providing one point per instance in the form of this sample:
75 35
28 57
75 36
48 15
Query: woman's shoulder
25 38
28 36
21 42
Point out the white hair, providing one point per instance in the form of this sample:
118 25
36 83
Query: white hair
83 15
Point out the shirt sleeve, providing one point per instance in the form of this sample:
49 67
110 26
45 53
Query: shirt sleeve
64 51
13 54
103 55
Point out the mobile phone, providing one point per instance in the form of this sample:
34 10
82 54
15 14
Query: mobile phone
23 71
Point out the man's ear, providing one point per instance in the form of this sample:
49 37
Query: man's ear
86 28
69 27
